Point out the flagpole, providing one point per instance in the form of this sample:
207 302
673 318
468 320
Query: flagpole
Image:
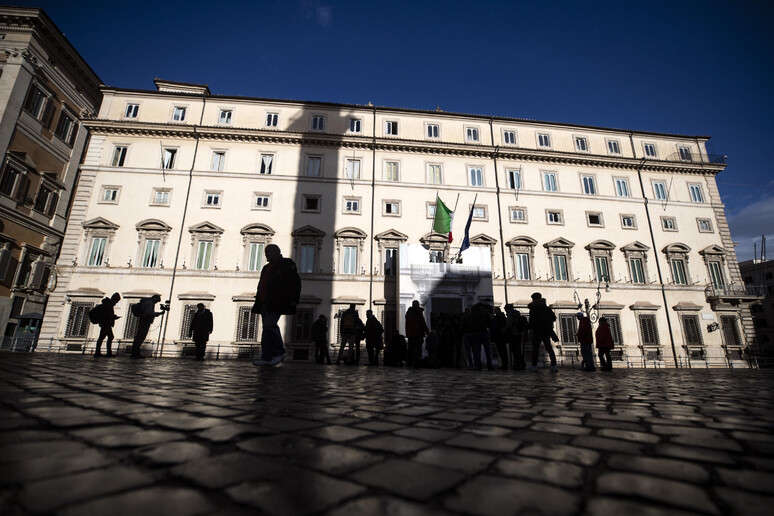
432 220
470 217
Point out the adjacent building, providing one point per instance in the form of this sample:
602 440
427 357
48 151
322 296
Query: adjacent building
760 274
181 190
45 89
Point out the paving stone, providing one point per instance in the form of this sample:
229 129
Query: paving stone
748 480
529 436
690 453
575 455
741 503
28 436
15 452
713 444
605 444
225 470
505 422
379 426
453 458
173 453
490 444
425 434
287 445
337 433
136 439
626 435
554 472
29 469
335 459
228 432
602 506
486 495
385 506
676 494
392 444
153 500
671 468
561 429
409 479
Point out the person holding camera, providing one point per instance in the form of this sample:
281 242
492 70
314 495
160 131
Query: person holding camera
145 313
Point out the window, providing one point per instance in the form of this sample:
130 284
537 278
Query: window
311 203
659 190
476 176
178 114
678 272
522 266
685 153
549 181
589 186
581 144
255 257
568 328
15 183
692 330
509 137
314 166
434 174
97 251
716 274
353 169
432 131
436 257
225 116
203 255
351 205
514 179
218 161
730 330
349 260
150 255
130 326
110 194
211 199
392 208
261 201
696 195
628 222
601 268
185 326
560 267
430 210
668 224
247 325
355 125
391 171
636 270
306 263
78 320
302 325
267 161
272 119
390 261
119 156
168 158
46 200
544 140
621 187
38 104
648 330
471 134
705 225
479 212
650 150
615 329
66 128
613 147
391 127
160 197
318 123
554 217
518 214
594 219
131 110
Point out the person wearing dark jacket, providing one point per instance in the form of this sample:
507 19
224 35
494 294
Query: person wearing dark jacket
320 339
395 352
604 344
279 291
585 337
144 321
201 327
500 339
480 323
515 329
373 338
107 319
351 328
416 329
541 322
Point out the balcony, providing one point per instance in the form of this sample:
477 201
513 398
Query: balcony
734 294
694 157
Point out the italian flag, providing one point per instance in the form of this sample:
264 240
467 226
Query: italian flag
442 223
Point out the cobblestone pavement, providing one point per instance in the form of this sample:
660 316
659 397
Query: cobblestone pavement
112 436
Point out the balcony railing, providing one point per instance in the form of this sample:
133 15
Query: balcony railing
736 291
695 157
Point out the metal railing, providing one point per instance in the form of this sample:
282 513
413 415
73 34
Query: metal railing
16 344
694 157
735 291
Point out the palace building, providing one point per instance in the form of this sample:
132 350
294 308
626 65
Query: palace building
181 189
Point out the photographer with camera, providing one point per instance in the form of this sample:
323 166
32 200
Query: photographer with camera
145 312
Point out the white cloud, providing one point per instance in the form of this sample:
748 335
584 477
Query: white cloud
748 224
322 14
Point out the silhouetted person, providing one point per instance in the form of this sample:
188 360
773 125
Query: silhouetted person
541 322
145 318
320 338
201 327
480 322
373 338
515 331
416 329
497 334
395 352
106 320
604 344
585 337
351 328
467 339
279 291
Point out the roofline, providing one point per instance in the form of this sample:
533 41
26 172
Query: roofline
404 110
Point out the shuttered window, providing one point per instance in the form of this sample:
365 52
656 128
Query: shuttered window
247 326
188 312
302 325
730 330
692 330
648 330
615 328
78 321
130 328
568 327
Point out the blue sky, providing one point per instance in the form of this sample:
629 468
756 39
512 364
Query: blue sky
695 68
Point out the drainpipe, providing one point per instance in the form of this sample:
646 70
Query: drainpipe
499 210
373 214
655 251
182 223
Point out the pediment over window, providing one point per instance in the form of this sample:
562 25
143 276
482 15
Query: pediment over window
601 245
153 225
350 232
482 239
635 247
559 242
308 231
23 158
676 248
434 238
100 223
522 241
205 227
391 234
257 229
713 250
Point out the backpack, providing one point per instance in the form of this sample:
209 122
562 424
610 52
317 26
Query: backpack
348 322
95 314
137 308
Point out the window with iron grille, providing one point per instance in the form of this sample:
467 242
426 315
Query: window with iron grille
648 330
130 327
247 325
302 325
730 330
568 327
615 328
78 321
692 330
188 313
